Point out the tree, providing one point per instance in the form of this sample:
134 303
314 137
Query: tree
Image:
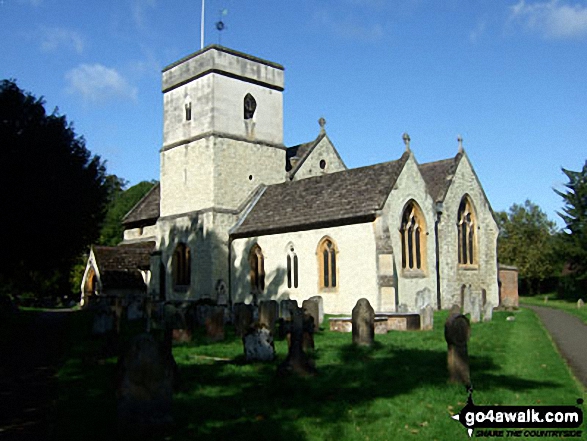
574 235
527 240
53 193
121 201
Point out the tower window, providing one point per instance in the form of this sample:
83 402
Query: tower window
188 111
182 265
413 237
250 105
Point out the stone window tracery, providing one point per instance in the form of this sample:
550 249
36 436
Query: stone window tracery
182 265
413 237
292 268
249 105
327 264
466 225
257 269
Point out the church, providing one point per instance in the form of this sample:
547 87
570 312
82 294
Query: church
238 216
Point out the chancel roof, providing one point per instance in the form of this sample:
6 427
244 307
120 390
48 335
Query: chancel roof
146 211
438 176
120 266
332 199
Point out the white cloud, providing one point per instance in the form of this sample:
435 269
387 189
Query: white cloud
553 19
478 32
53 39
348 28
139 11
96 83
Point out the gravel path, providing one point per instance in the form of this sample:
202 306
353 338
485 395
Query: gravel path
570 335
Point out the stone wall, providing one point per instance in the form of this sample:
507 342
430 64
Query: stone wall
324 151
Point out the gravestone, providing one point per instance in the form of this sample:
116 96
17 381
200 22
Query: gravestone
221 293
312 308
580 303
258 345
402 308
457 331
488 312
285 308
297 360
144 387
268 314
134 310
475 309
467 300
103 321
427 318
363 323
214 323
320 301
423 298
243 318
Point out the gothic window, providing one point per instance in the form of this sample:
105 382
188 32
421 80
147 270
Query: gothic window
327 264
292 268
250 105
257 269
466 233
181 265
413 237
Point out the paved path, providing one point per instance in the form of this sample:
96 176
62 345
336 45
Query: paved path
570 335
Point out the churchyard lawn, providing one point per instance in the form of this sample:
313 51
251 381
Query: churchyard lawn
553 301
396 389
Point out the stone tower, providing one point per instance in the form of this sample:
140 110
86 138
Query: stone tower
222 139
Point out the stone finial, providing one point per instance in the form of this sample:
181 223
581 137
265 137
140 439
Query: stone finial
406 139
322 123
460 141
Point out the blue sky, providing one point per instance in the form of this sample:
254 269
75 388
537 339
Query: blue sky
509 76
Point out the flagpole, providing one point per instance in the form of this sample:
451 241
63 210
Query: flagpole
202 27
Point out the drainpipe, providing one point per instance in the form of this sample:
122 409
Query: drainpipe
229 270
439 207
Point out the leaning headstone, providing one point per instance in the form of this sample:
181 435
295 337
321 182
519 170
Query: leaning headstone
580 303
457 331
258 345
297 360
488 312
313 309
145 376
268 314
286 307
363 323
320 301
423 298
475 309
243 318
427 318
214 323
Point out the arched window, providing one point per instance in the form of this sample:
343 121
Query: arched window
249 105
188 108
327 264
466 233
292 268
181 265
413 236
257 273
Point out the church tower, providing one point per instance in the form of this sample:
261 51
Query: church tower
222 139
222 130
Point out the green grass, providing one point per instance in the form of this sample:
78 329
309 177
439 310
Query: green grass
569 306
395 390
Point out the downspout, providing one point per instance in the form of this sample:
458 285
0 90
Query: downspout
229 270
439 207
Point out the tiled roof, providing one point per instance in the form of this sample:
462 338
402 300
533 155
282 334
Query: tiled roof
438 176
337 198
119 266
146 211
296 155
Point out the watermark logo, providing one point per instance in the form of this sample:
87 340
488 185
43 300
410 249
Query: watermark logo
517 421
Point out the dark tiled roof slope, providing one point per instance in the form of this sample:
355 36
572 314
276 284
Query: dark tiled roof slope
146 210
297 154
336 198
438 176
119 266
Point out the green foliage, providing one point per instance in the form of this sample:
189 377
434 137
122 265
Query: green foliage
53 193
527 240
574 240
121 201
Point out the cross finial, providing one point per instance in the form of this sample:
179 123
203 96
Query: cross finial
406 139
322 123
460 141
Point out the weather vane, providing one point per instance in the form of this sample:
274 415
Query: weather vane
220 26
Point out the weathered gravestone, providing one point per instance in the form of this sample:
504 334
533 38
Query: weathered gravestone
243 318
488 312
475 309
214 323
320 301
403 308
221 293
297 360
580 303
466 299
144 387
423 298
268 314
427 318
286 307
258 344
363 323
134 310
457 331
313 309
103 321
175 321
